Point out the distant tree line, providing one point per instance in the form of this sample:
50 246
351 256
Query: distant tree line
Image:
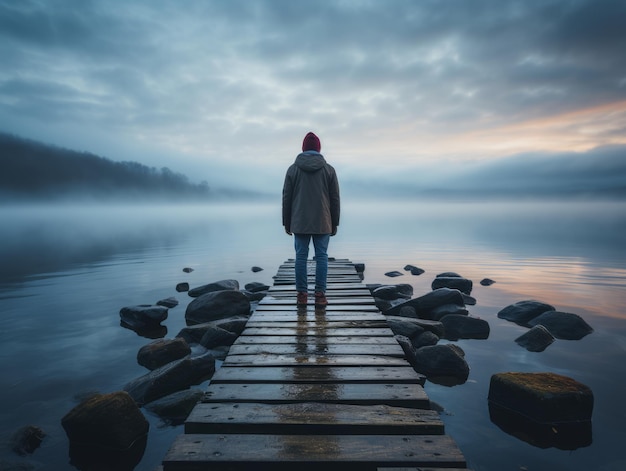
33 170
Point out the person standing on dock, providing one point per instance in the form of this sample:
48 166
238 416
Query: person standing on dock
311 212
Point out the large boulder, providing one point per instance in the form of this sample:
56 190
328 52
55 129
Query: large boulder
523 312
425 304
425 339
464 327
542 397
536 339
405 328
175 408
215 286
454 282
217 305
143 316
563 325
215 337
173 377
447 310
442 361
161 352
435 327
111 421
392 292
256 286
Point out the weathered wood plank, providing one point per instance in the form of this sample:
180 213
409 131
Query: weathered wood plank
314 360
336 300
318 346
399 395
329 330
199 452
289 339
310 321
329 292
312 418
319 374
329 286
331 307
320 318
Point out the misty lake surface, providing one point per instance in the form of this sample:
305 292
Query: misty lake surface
65 272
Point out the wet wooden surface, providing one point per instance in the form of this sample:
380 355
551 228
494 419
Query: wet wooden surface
309 389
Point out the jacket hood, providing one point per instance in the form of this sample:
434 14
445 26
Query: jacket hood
310 161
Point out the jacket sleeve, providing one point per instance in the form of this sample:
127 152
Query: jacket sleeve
335 205
287 200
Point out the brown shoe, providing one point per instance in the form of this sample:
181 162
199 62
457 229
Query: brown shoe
302 298
320 299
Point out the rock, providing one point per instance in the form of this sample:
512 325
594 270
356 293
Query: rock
253 297
232 324
563 325
222 285
391 292
168 302
435 327
383 304
468 300
217 305
99 458
423 305
175 408
464 327
256 269
408 349
359 267
193 334
108 420
170 378
523 312
407 311
393 274
542 397
215 337
425 339
536 339
182 287
442 361
486 282
447 310
161 352
187 270
454 282
256 287
404 327
143 317
414 270
26 440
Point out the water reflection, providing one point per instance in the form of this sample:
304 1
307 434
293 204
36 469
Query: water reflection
564 436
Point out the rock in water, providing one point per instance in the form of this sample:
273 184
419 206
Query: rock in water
524 311
108 420
215 286
175 408
563 325
536 339
543 397
464 327
161 352
453 282
143 317
217 305
26 440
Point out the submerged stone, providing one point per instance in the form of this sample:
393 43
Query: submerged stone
563 325
536 339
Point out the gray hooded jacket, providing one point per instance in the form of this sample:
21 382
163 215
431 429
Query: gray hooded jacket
311 196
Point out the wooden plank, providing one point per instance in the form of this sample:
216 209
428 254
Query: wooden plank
199 452
330 307
399 395
319 374
318 346
312 418
320 318
329 292
336 300
304 323
329 286
313 360
289 339
330 331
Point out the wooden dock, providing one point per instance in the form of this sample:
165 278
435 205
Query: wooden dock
315 389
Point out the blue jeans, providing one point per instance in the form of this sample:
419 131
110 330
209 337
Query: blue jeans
320 243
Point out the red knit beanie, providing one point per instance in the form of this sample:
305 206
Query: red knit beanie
311 142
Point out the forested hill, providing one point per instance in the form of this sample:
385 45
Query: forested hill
34 171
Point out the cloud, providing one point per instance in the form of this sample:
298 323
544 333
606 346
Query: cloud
197 85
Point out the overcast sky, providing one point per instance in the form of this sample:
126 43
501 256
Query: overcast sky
226 90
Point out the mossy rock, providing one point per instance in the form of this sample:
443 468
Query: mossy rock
543 397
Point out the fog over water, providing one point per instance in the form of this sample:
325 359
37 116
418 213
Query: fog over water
67 270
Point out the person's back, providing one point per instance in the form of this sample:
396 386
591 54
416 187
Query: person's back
311 208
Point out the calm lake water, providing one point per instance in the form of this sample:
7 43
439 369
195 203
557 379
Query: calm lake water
65 272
